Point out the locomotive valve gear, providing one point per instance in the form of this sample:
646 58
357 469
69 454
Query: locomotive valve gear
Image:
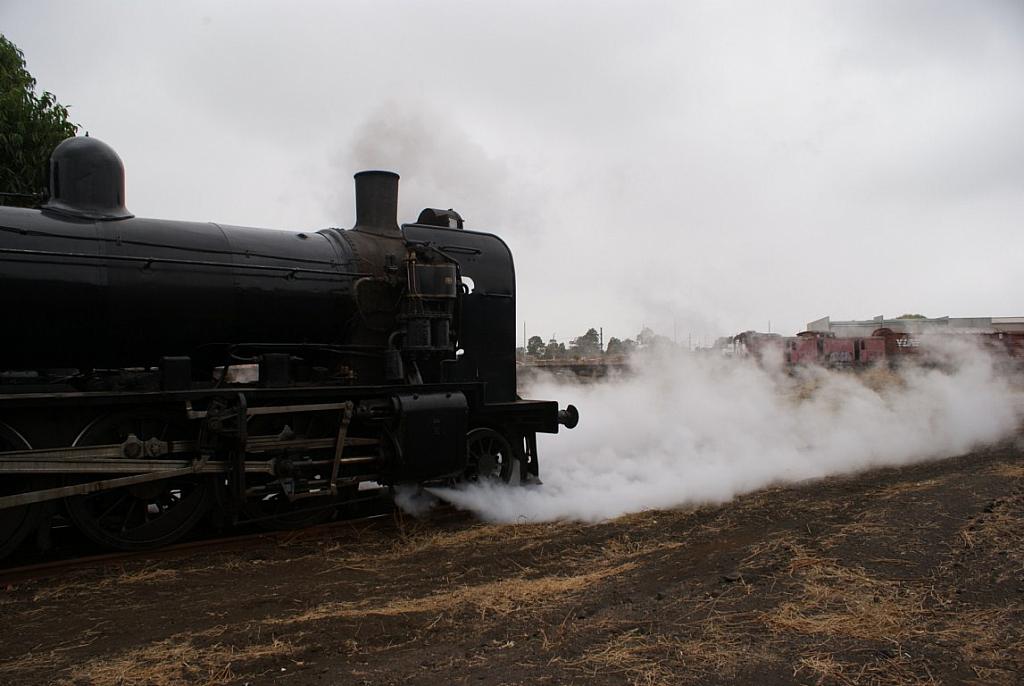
132 447
155 447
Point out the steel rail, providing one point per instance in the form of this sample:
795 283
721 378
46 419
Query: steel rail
372 501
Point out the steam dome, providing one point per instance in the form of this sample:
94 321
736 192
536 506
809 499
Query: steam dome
86 180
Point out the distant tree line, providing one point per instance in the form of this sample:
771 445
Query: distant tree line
588 346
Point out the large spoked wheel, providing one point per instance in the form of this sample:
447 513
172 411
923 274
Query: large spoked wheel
16 522
146 515
489 456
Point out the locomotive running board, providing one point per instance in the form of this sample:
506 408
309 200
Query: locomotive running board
106 459
110 466
110 458
107 484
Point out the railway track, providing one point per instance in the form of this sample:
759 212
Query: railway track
68 556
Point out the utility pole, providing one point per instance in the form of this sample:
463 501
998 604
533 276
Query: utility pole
602 339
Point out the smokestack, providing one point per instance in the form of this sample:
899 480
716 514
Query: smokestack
377 203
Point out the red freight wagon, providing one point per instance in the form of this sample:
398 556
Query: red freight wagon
869 350
1005 342
838 352
804 349
897 343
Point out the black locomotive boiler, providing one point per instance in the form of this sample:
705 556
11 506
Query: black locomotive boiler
154 372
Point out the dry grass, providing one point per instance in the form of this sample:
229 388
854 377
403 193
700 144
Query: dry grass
896 669
84 583
60 590
838 605
990 636
174 661
646 518
902 488
1009 471
834 600
421 536
142 576
714 645
642 660
824 668
494 597
870 524
997 533
998 530
47 661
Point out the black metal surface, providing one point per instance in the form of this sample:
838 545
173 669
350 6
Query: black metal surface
86 181
18 522
377 202
449 218
169 292
431 432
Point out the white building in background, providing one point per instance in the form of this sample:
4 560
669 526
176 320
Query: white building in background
864 327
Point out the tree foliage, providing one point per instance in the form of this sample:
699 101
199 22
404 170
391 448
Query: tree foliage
587 344
535 346
30 127
620 347
554 350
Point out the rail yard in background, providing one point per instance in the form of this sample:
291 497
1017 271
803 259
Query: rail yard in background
832 344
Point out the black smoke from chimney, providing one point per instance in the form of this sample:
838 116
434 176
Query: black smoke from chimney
377 203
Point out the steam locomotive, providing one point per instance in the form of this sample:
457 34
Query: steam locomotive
153 372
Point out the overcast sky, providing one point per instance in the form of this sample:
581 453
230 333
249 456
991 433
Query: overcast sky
702 168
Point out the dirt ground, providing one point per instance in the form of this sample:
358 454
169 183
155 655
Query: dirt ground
900 576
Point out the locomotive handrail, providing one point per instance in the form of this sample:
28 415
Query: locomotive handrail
290 271
272 409
152 244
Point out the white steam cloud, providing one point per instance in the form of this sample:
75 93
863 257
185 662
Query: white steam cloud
692 429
